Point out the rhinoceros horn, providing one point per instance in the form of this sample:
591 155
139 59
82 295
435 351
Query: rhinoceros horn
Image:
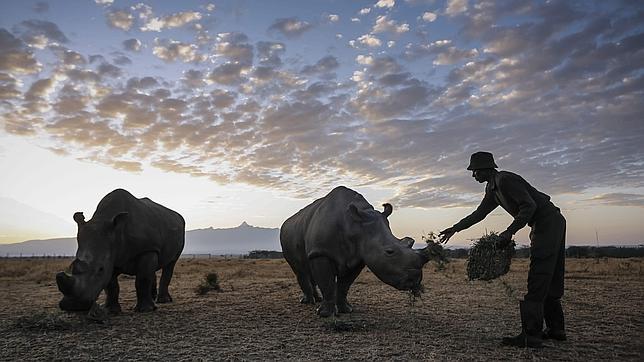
433 251
79 218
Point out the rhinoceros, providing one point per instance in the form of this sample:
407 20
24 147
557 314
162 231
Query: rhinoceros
329 242
129 236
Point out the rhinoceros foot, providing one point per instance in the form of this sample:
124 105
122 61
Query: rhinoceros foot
344 307
112 308
307 299
164 298
145 308
327 309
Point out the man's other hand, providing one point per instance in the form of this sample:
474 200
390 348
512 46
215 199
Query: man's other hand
505 238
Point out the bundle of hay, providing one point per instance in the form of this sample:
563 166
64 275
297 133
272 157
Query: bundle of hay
486 261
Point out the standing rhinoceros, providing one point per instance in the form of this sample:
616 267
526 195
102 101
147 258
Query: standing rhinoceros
330 241
126 235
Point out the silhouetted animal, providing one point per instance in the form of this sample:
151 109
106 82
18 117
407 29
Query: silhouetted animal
126 235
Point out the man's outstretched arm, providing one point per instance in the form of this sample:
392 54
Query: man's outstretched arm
488 204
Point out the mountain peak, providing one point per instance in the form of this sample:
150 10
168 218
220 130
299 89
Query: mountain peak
244 225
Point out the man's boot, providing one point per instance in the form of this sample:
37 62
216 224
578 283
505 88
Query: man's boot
553 314
531 326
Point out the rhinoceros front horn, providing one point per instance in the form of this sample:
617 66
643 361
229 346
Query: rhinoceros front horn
79 218
433 251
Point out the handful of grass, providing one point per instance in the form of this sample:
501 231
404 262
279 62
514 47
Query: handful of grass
486 260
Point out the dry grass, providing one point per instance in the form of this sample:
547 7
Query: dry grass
258 316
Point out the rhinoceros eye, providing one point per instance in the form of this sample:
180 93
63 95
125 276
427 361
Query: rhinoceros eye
390 252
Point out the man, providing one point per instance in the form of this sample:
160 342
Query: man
547 246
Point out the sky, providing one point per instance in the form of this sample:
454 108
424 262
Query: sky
232 111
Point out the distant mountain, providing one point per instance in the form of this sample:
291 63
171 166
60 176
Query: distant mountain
238 240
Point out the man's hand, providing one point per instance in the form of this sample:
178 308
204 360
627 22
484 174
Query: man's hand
505 238
446 234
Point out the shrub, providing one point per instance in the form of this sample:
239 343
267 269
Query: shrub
211 282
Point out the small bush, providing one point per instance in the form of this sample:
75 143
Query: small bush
212 279
211 282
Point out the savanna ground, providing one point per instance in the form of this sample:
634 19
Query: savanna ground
257 316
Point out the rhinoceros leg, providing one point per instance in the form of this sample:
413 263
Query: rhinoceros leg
154 288
324 273
145 277
112 296
344 282
304 279
166 276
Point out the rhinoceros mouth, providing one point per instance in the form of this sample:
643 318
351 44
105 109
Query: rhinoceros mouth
409 282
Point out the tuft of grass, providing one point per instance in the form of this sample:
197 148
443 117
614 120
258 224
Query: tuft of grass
44 322
340 325
211 282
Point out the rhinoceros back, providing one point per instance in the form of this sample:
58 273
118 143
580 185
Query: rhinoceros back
149 227
319 229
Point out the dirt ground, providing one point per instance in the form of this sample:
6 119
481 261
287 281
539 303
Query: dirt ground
258 316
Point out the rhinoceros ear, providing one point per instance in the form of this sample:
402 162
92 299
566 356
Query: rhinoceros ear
79 218
357 214
119 219
388 210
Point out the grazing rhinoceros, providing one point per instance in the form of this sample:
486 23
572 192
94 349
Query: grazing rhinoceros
330 241
126 235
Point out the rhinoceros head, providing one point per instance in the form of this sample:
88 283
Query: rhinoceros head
391 259
93 266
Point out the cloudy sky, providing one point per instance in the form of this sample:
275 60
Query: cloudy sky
231 111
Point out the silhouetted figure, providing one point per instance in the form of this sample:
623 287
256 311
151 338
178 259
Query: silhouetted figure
547 246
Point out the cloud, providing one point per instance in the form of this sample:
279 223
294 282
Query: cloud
39 89
9 87
133 45
366 40
104 2
333 18
429 17
109 70
170 50
234 47
290 27
325 65
270 53
193 78
455 7
15 58
619 199
385 4
383 25
171 21
556 96
120 19
39 33
227 73
364 11
443 51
